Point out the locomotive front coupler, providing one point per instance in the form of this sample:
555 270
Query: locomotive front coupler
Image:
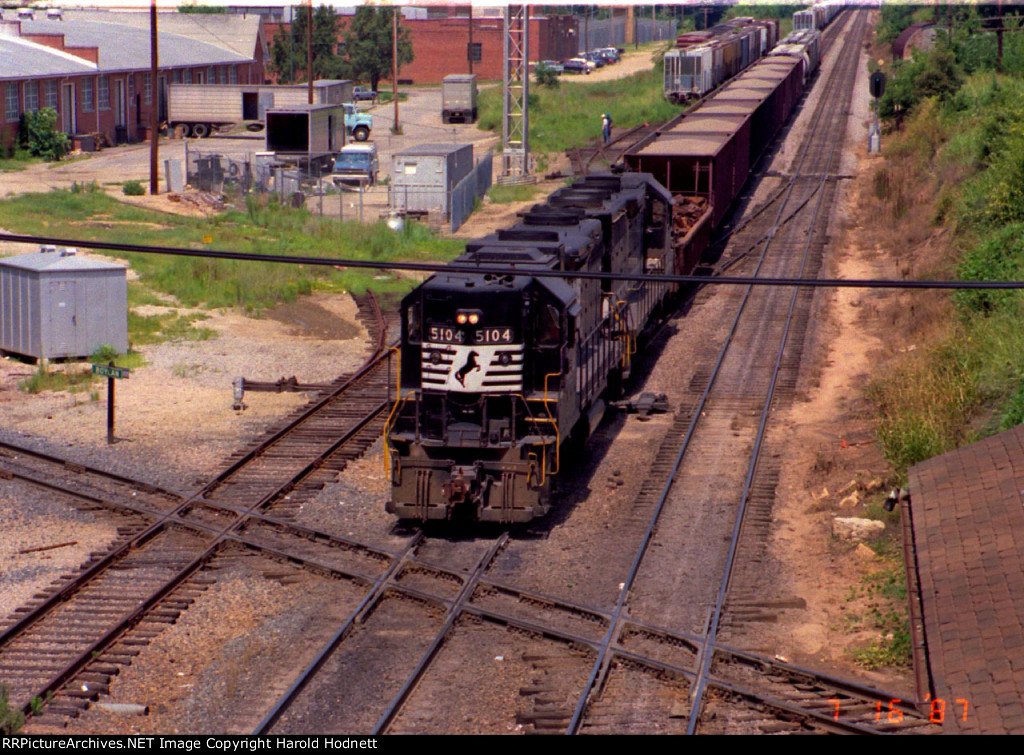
463 485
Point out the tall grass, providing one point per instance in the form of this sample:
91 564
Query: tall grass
967 381
260 228
570 115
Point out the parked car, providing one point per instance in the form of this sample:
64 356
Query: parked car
356 163
363 93
612 53
575 65
593 57
554 65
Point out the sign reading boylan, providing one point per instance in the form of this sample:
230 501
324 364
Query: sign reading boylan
109 371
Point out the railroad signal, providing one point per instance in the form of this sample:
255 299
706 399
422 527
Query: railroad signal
877 84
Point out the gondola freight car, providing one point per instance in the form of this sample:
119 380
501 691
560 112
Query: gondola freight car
706 158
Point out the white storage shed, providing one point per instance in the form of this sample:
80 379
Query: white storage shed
56 304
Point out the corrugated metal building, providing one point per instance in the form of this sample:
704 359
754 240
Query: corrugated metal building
426 174
55 303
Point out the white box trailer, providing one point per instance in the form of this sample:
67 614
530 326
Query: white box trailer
313 134
200 109
458 98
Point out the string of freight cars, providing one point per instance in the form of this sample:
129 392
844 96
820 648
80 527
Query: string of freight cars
512 270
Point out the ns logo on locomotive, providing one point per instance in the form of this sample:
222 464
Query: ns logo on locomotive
498 371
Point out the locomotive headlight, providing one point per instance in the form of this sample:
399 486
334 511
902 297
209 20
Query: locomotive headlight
468 316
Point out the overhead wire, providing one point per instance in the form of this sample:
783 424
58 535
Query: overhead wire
533 270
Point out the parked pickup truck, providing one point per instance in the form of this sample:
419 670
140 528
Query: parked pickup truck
356 163
357 124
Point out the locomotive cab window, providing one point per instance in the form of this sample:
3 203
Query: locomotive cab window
414 322
548 330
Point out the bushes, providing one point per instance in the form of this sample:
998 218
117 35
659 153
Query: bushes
40 135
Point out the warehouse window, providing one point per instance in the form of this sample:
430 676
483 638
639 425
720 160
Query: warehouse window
147 83
51 93
186 76
222 75
211 75
104 92
87 99
232 75
31 96
476 52
11 102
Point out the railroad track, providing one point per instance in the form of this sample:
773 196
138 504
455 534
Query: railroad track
432 617
154 568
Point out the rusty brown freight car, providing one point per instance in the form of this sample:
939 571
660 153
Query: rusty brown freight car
705 159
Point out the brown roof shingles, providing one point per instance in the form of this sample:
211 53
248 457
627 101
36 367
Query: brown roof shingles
969 535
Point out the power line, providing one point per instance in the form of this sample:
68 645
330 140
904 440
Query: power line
531 270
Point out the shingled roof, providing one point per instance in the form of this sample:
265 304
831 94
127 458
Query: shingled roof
968 526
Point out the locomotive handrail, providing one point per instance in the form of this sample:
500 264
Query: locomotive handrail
389 423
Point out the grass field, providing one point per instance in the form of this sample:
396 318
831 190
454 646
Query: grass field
570 115
87 213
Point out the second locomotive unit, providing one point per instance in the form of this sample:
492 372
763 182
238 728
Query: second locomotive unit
497 371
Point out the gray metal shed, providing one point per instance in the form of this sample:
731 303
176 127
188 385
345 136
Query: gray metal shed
426 174
55 303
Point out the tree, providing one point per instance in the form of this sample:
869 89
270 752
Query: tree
288 51
368 45
40 135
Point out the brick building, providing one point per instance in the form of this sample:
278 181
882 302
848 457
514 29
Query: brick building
440 45
440 41
93 67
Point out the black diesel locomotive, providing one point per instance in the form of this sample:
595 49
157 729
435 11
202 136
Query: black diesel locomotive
498 371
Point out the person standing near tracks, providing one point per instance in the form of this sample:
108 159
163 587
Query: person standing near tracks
606 127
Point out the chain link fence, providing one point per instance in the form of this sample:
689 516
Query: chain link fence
611 32
313 187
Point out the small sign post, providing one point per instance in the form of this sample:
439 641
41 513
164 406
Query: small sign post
111 373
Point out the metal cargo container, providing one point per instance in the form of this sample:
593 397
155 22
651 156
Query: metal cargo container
425 175
325 92
55 303
306 132
201 108
458 98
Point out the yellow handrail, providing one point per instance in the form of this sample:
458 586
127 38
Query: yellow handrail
387 428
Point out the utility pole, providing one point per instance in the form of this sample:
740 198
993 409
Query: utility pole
309 48
154 103
469 47
394 66
999 40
